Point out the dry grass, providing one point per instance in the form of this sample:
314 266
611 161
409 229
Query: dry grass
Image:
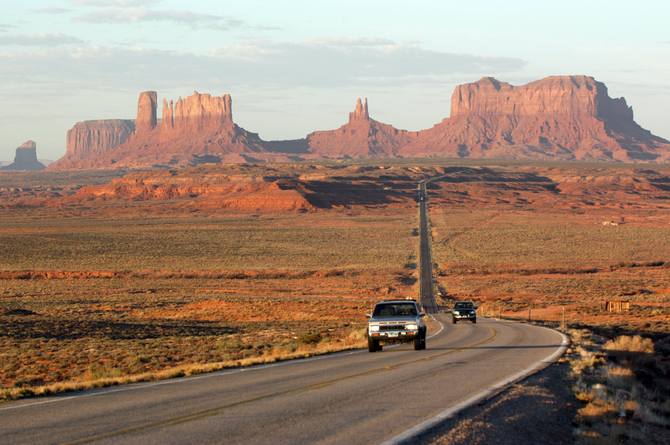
79 330
92 298
118 289
624 398
96 378
635 351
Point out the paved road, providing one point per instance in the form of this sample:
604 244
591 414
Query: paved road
353 397
427 290
425 258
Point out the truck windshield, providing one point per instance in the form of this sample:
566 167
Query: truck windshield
394 310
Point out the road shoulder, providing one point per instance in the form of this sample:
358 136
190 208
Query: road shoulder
539 409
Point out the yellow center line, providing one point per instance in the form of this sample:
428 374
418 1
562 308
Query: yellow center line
217 410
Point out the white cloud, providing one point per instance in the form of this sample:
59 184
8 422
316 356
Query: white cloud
251 63
115 3
41 39
345 61
51 10
6 26
348 41
136 15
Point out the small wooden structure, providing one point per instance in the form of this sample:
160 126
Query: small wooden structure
617 306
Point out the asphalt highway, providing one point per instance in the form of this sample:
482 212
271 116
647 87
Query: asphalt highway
351 397
427 289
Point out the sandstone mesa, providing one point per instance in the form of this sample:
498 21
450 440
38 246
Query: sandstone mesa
25 158
556 118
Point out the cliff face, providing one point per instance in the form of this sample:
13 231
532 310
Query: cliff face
557 118
90 138
25 158
566 118
573 96
362 137
192 131
195 114
146 112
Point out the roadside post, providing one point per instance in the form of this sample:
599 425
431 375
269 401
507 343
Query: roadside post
563 319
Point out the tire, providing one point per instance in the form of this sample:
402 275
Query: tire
453 320
372 347
474 320
423 339
417 343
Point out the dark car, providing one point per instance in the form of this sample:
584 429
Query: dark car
464 310
396 321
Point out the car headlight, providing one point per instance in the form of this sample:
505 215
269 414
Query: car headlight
374 328
457 313
411 327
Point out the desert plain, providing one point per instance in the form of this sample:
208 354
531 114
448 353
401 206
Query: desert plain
117 276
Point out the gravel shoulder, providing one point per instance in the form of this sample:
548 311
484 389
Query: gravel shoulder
537 410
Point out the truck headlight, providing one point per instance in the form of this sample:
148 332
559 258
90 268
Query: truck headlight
457 313
411 327
374 328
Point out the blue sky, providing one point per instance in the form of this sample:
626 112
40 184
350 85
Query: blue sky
293 66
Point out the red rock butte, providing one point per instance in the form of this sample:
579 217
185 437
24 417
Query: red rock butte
557 118
25 158
362 137
562 118
195 130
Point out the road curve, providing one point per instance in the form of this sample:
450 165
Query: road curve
352 397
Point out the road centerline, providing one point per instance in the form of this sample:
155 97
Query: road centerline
184 418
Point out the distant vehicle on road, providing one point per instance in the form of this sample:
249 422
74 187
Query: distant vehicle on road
464 310
396 321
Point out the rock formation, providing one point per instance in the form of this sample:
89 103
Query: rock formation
195 114
214 186
90 138
146 112
192 131
557 118
25 158
362 137
565 118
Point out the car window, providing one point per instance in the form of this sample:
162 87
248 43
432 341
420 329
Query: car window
463 305
394 310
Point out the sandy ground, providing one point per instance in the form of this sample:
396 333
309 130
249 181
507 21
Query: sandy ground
537 410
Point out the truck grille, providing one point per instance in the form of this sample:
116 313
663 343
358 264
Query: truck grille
392 327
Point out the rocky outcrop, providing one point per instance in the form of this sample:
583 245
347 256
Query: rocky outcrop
557 118
192 131
195 114
146 112
362 137
25 158
563 118
214 186
90 138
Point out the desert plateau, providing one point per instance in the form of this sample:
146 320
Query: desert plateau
162 248
112 276
213 215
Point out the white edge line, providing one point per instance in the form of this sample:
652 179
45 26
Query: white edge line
483 395
134 387
174 381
